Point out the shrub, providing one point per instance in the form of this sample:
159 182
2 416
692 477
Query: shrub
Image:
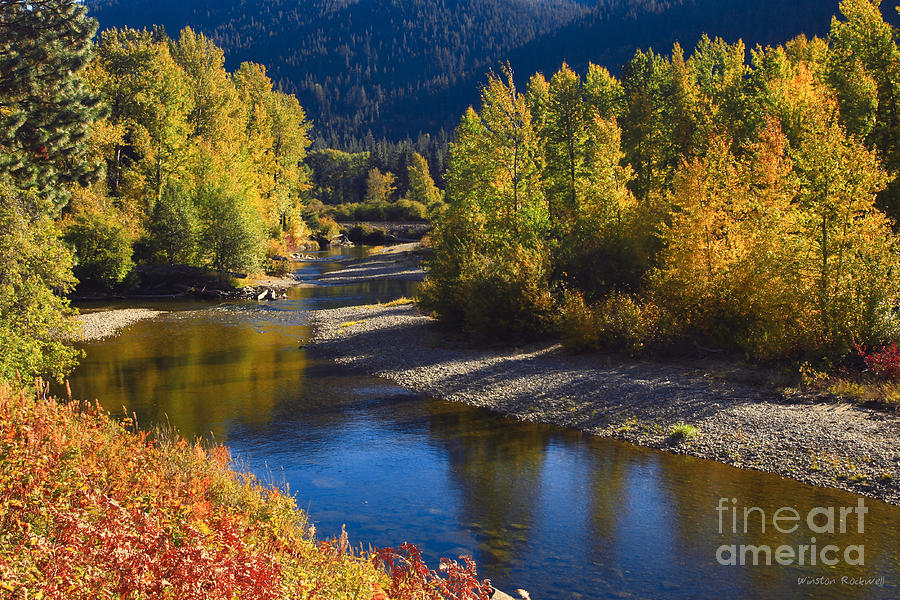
366 234
618 323
406 210
328 228
884 363
277 263
90 508
102 250
506 296
401 210
411 579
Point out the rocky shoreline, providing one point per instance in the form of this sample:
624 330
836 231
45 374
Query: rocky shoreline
739 418
399 262
106 323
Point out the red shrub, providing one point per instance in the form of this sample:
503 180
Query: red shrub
884 363
411 579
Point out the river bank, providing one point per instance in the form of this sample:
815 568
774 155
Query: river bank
399 262
740 419
106 323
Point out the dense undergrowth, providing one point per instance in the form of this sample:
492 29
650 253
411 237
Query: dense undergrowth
92 507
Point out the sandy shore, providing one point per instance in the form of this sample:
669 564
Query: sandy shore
740 420
103 324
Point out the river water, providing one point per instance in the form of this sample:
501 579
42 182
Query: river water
556 512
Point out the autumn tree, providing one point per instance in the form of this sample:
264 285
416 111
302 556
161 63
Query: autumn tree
852 253
490 270
864 69
729 270
422 189
380 186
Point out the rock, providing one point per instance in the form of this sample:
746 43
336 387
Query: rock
340 240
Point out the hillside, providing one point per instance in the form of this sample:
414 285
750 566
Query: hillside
399 67
353 62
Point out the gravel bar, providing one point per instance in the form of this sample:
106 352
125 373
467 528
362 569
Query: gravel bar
103 324
740 420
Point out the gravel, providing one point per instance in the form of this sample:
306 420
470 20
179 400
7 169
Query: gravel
740 420
103 324
401 262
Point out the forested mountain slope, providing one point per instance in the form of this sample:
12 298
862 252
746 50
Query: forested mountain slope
399 67
351 62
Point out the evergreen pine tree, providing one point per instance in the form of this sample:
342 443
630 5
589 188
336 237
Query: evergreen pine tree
45 109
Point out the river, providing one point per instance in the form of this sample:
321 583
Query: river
556 512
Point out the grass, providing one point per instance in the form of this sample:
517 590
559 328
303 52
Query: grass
683 431
839 468
633 424
90 507
855 389
349 324
398 302
882 393
878 385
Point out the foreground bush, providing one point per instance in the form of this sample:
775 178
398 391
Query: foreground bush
89 509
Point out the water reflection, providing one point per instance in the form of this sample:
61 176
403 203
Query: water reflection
199 374
559 513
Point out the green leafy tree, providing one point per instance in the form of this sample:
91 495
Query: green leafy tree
174 227
604 92
231 231
490 270
150 101
102 250
851 251
421 186
647 85
495 166
611 241
214 108
35 270
864 69
45 109
564 136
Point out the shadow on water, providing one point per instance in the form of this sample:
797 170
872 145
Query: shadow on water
562 514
